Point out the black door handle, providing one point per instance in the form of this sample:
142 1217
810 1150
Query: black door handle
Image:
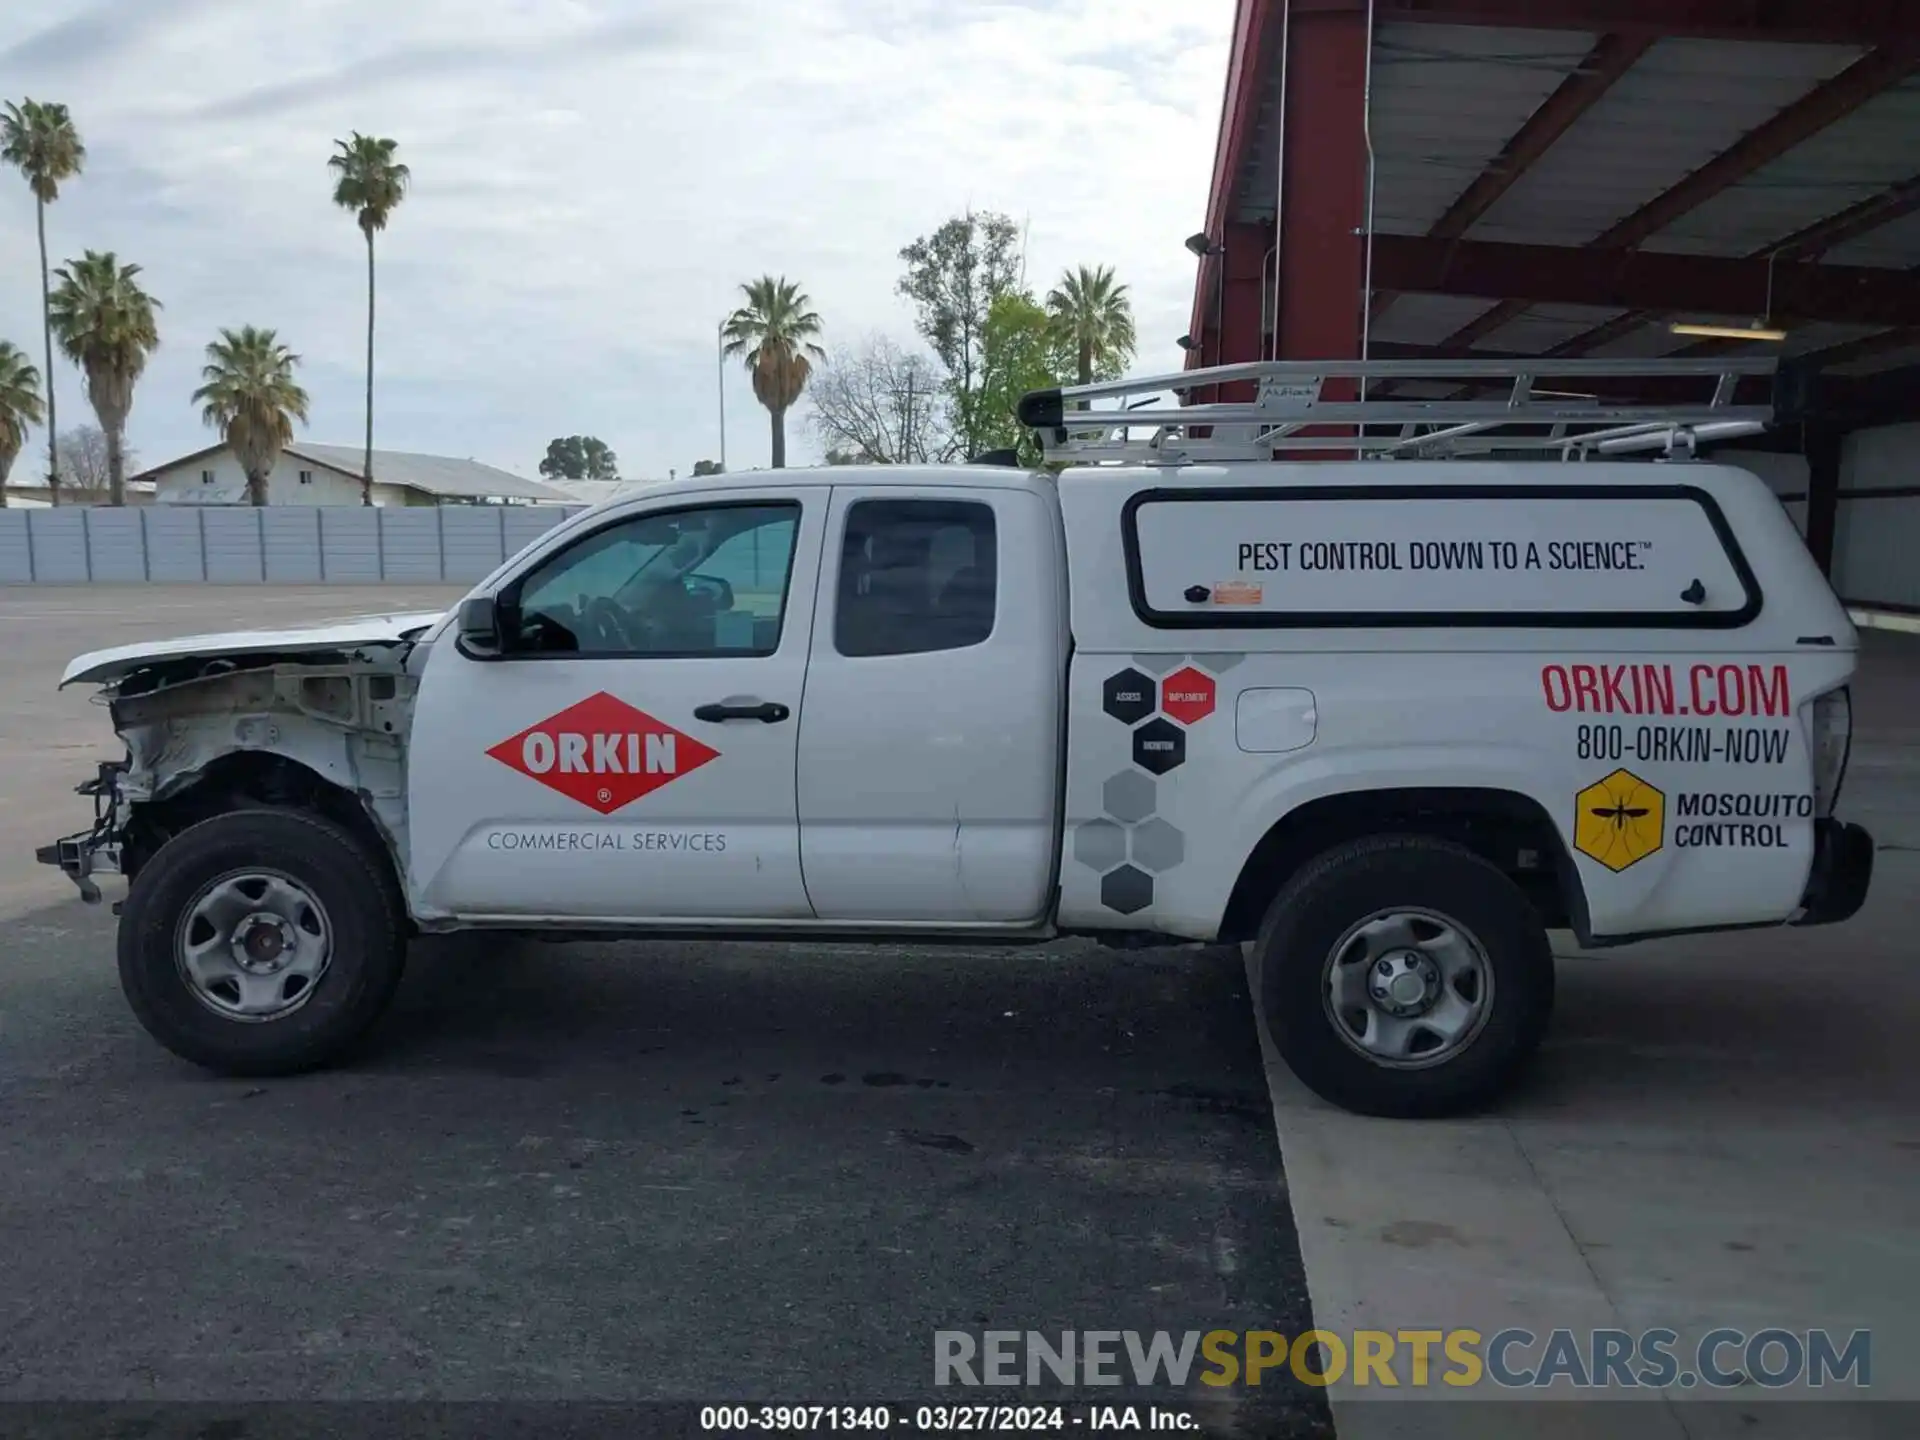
769 712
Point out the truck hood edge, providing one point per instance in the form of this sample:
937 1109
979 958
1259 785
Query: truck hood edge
106 666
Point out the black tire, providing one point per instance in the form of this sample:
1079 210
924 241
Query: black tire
363 908
1343 887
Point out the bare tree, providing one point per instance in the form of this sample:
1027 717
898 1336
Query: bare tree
85 474
881 405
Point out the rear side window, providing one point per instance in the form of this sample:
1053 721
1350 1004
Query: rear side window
915 576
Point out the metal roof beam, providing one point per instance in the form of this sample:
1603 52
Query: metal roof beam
1806 117
1808 243
1644 280
1834 22
1850 224
1609 59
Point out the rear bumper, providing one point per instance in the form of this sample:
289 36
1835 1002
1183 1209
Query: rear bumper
1842 873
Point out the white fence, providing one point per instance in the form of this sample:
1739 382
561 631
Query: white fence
286 545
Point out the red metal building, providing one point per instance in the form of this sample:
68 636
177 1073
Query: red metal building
1558 178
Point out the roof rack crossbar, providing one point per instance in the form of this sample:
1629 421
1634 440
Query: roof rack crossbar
1292 398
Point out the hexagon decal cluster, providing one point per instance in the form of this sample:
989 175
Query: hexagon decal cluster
1620 820
1129 844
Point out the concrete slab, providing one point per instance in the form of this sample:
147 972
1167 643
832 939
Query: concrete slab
1724 1131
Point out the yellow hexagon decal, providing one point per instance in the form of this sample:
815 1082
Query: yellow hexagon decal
1620 820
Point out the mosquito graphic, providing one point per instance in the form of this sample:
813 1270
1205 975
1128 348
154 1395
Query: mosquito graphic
1620 813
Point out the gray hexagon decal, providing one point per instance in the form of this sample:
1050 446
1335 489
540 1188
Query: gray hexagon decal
1219 664
1126 890
1100 844
1128 796
1158 846
1156 664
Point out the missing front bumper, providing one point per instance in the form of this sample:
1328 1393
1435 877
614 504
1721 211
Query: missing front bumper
95 851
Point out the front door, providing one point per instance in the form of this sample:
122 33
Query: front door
628 753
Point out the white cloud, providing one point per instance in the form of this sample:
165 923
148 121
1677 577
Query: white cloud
592 182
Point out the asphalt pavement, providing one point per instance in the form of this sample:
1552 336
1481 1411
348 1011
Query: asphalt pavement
610 1172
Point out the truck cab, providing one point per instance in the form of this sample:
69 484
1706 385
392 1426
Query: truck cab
1387 722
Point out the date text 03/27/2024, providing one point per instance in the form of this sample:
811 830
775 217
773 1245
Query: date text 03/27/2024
944 1419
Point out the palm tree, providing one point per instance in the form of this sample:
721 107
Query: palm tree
252 398
1092 319
19 407
105 324
774 330
39 140
371 183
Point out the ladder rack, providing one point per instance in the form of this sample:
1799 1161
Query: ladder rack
1502 409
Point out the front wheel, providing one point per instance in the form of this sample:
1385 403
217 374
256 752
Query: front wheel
1404 976
261 942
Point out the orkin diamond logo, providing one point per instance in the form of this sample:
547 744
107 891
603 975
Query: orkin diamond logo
603 753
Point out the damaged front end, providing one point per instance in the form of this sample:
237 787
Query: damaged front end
95 850
323 731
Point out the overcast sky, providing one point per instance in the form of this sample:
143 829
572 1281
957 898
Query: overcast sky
592 180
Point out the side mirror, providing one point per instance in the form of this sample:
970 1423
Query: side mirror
479 622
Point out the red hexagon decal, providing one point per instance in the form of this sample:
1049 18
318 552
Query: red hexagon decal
603 753
1187 695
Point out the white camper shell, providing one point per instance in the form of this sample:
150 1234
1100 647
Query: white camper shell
1388 720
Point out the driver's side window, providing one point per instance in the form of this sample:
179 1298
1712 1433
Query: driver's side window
711 580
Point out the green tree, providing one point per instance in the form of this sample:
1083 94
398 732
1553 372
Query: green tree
105 324
775 331
1092 317
251 397
1019 352
708 467
579 457
38 139
953 278
371 183
19 407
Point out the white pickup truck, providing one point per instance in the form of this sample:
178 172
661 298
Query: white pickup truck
1389 721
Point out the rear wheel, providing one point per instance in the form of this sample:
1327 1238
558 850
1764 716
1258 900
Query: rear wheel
261 942
1404 976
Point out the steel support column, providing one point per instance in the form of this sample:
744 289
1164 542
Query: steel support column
1323 208
1823 445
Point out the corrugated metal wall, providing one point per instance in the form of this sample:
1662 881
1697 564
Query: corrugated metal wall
278 545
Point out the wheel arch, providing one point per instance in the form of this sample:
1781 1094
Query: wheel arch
247 778
1509 829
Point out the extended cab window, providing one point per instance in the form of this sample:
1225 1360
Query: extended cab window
705 581
915 576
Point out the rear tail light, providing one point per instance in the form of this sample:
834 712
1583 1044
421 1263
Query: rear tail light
1831 741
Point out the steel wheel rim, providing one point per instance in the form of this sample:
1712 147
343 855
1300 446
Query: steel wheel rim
1407 988
252 945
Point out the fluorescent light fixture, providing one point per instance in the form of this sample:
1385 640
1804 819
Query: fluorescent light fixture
1755 331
